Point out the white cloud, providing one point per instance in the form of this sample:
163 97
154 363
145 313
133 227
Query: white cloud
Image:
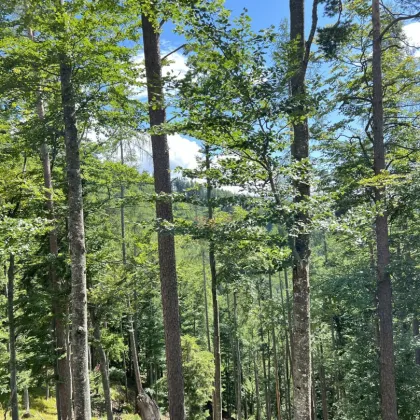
412 31
182 152
176 68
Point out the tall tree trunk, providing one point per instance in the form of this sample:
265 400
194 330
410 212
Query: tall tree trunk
62 369
206 307
217 394
257 390
323 386
80 371
266 393
12 337
301 368
103 364
384 288
166 240
238 359
276 361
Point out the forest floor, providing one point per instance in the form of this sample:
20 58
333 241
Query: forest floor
43 409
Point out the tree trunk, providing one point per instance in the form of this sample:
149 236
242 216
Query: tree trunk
134 355
416 336
206 307
257 390
286 326
301 366
26 401
237 359
384 288
217 394
166 240
103 364
276 362
323 387
81 387
12 336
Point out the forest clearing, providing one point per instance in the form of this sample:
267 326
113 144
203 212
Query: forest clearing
210 209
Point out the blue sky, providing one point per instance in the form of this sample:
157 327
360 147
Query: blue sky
263 13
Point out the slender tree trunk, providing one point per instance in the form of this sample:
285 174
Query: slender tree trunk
323 386
266 393
134 355
125 371
276 361
26 402
217 394
12 336
288 358
206 308
238 359
257 390
81 387
289 319
166 241
301 367
386 339
313 409
416 336
269 412
103 364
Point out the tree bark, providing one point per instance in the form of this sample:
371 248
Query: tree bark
257 390
301 366
217 394
103 364
12 337
323 387
166 240
26 401
276 362
134 355
238 359
206 307
79 359
384 288
286 326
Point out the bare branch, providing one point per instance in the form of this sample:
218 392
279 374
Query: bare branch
173 52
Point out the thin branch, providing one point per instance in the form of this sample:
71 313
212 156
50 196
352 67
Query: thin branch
398 19
173 52
311 34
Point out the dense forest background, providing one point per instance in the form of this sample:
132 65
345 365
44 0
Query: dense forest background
274 276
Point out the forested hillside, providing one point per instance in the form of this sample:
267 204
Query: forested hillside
201 219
